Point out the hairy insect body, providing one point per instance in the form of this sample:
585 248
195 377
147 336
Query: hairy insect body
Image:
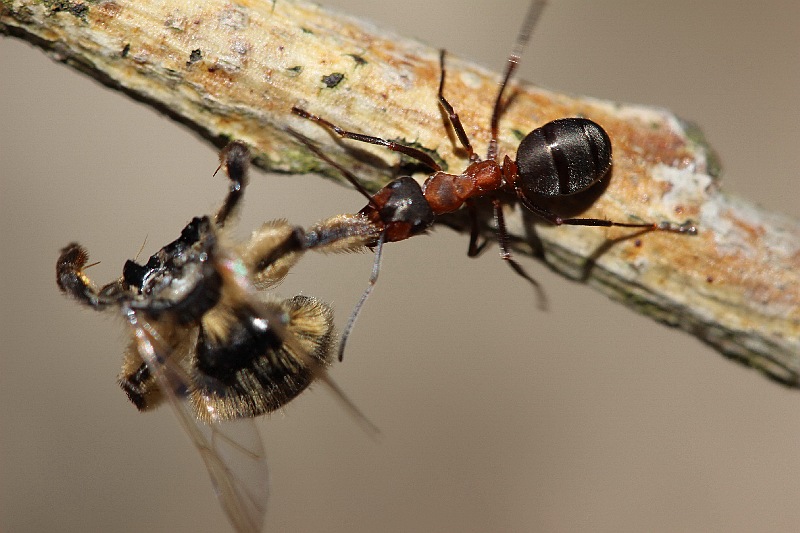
230 343
206 340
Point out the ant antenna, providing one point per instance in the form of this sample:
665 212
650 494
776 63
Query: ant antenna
455 121
410 151
373 278
346 173
534 12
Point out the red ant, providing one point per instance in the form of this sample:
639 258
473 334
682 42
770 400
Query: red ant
560 158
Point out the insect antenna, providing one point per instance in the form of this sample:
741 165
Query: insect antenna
532 16
455 121
376 265
346 173
410 151
373 278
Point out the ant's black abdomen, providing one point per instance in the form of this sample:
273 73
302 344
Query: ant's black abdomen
563 157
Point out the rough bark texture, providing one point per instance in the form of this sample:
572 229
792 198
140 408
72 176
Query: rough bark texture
234 71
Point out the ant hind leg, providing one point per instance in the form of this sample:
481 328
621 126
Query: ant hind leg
686 228
505 253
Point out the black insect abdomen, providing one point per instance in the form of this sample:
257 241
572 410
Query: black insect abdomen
563 157
245 343
252 370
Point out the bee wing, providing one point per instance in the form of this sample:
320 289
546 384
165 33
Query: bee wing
235 460
232 450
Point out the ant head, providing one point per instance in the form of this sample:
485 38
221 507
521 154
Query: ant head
401 208
563 157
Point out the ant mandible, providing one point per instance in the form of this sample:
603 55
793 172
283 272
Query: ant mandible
561 158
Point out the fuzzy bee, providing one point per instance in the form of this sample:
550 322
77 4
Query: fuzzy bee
206 341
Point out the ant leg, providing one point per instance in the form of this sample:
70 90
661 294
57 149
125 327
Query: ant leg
475 249
376 268
670 227
534 11
505 253
685 228
419 155
236 159
455 122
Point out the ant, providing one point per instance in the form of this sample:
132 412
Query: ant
561 158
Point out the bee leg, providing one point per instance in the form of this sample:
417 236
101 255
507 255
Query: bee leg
273 250
235 157
73 282
342 233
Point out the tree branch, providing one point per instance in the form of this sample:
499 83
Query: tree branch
234 71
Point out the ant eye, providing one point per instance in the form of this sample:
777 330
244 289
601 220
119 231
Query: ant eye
563 157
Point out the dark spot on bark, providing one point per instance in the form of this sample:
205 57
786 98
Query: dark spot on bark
77 9
333 79
295 70
360 61
195 56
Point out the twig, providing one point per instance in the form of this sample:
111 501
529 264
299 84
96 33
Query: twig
234 71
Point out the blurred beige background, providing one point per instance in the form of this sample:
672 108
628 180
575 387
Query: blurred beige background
494 416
